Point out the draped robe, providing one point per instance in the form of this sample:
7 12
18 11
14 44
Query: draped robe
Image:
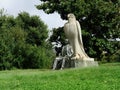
72 31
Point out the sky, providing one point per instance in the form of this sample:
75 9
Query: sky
13 7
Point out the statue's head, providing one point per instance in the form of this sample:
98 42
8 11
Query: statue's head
66 41
71 16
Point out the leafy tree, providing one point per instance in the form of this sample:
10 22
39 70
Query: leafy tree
6 47
37 57
99 19
36 29
116 56
11 40
23 42
6 41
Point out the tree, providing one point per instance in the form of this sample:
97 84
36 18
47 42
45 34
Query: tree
36 29
23 42
99 19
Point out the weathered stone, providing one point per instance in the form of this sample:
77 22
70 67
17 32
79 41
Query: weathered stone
80 63
73 55
87 63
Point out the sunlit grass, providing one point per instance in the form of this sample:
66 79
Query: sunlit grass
104 77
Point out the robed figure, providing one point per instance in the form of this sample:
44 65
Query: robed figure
72 31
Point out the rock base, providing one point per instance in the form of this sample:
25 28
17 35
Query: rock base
80 63
74 63
87 63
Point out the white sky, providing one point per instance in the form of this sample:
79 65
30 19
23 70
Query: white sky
13 7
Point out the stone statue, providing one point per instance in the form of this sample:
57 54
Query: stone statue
66 55
72 31
73 54
67 50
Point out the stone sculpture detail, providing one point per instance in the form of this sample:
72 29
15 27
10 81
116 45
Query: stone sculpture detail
72 31
66 56
73 55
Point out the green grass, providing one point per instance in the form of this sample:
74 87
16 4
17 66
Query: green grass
104 77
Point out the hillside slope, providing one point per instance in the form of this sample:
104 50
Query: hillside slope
105 77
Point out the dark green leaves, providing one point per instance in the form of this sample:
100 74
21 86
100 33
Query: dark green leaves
99 19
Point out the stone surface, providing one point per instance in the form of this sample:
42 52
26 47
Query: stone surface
75 64
72 30
86 63
80 63
73 55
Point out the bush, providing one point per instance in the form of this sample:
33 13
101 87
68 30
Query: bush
115 57
6 48
23 42
37 57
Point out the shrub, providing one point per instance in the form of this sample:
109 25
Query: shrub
115 57
37 57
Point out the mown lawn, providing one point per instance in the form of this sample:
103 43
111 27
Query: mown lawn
104 77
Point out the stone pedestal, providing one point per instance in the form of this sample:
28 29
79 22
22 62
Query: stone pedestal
74 63
79 63
87 62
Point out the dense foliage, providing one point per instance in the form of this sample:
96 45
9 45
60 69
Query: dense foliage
99 19
23 42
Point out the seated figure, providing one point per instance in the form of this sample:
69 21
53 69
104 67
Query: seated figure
66 55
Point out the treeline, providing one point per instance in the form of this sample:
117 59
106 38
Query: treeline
23 42
23 38
100 21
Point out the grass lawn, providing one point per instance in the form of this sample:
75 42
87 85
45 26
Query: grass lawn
104 77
